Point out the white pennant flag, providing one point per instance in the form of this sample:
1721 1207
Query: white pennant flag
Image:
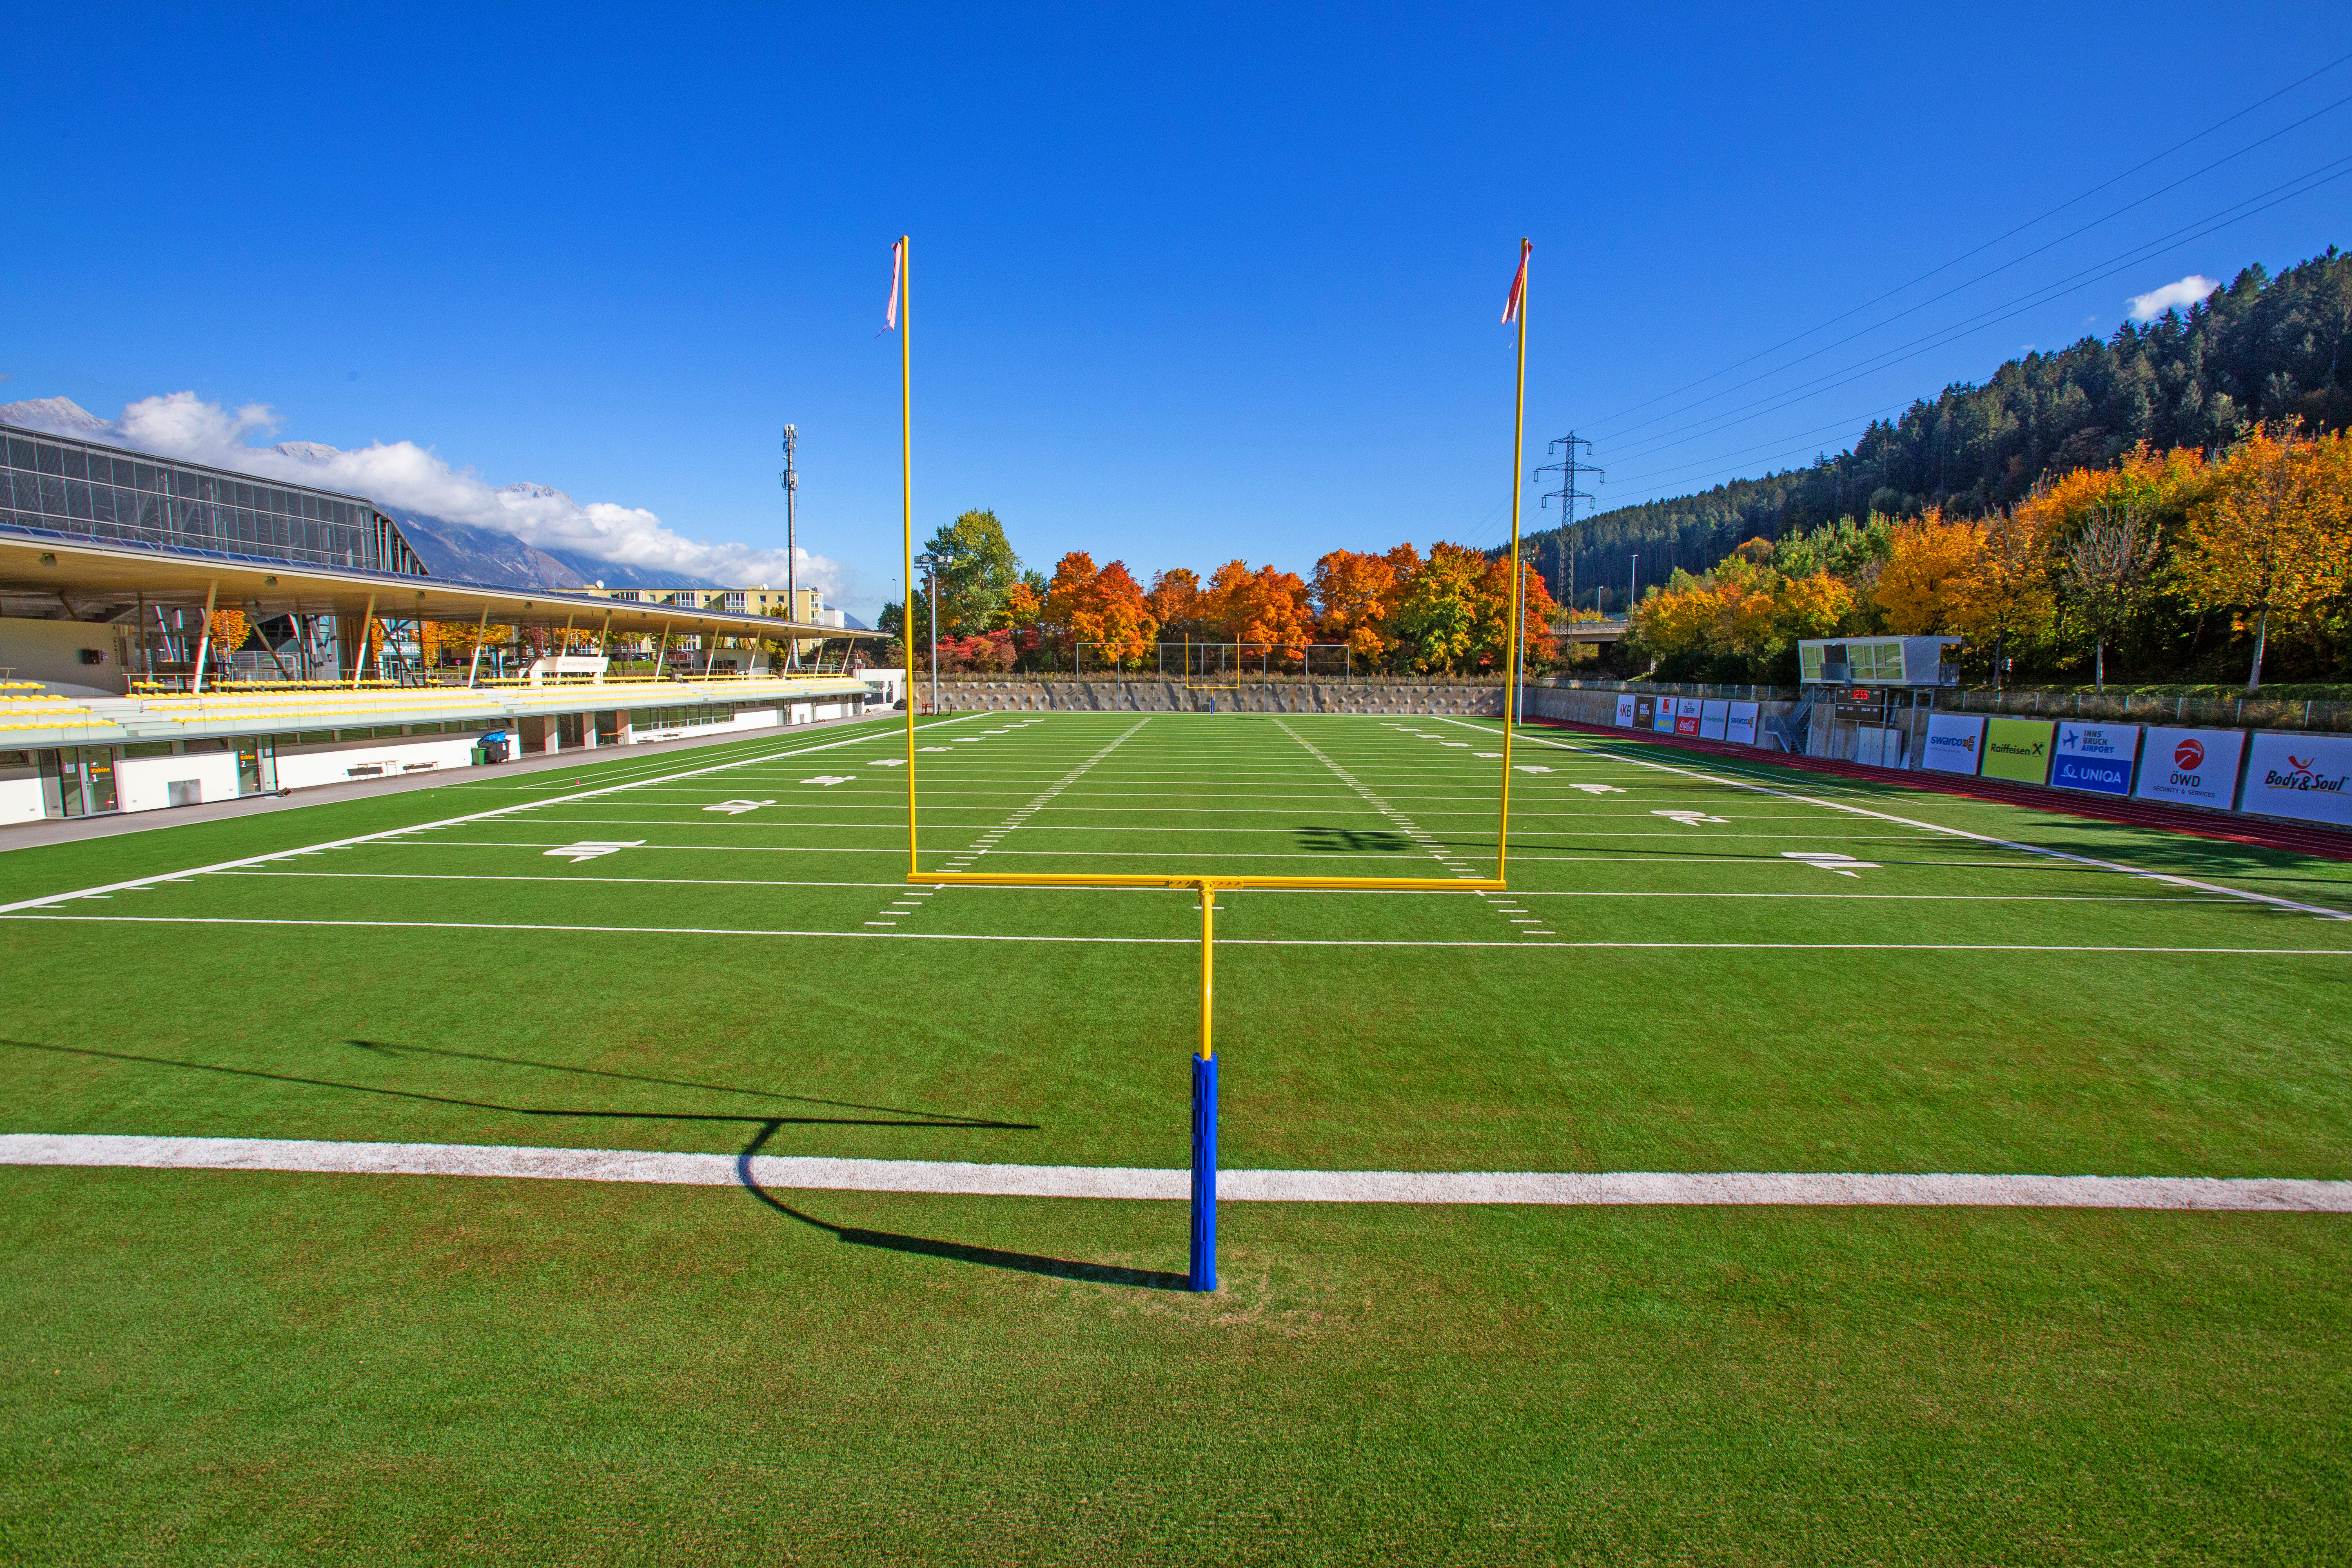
898 271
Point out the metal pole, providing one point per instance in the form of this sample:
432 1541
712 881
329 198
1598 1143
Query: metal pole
478 630
204 642
791 543
905 283
358 655
1203 1272
1518 436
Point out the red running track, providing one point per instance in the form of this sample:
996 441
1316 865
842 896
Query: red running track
2325 842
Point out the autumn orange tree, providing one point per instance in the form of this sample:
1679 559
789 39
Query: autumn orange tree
2275 536
1354 594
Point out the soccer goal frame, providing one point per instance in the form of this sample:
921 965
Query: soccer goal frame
1203 1275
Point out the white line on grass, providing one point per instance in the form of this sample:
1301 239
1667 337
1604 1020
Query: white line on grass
48 919
2320 910
429 826
1835 1189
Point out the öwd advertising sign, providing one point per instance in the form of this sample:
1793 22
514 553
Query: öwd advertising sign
2095 757
2196 767
2306 776
1955 743
2018 748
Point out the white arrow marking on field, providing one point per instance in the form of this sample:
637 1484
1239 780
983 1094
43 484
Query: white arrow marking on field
589 849
830 779
1598 789
1830 860
1688 819
738 807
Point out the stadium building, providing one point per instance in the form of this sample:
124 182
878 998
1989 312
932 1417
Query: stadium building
118 567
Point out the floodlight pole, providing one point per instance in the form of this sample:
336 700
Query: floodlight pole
1203 1275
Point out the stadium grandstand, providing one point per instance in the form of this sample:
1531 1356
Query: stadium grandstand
123 575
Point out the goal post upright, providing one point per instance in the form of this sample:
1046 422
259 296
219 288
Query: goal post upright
902 294
1511 657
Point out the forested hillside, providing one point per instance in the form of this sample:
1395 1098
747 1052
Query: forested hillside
2258 348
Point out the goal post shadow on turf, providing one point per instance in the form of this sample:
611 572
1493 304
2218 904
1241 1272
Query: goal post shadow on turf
1201 1275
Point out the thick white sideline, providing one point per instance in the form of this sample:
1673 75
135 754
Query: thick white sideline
789 1172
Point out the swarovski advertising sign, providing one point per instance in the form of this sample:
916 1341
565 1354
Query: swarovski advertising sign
2195 767
1955 743
2096 757
2017 749
2303 776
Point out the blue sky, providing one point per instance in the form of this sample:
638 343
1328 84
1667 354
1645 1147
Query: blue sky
1189 284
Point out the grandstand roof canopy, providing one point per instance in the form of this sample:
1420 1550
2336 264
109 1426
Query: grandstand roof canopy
56 578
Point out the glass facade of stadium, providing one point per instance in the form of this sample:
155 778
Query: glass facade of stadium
58 486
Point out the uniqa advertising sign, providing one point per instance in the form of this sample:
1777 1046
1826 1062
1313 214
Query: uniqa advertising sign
1955 743
2095 757
2302 777
2195 767
2017 749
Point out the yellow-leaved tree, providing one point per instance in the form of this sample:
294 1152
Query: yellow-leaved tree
2274 537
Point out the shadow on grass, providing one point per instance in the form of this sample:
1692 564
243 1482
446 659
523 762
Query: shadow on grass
952 1251
945 1123
1352 841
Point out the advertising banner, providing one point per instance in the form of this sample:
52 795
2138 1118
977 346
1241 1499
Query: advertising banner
1739 724
1713 718
1687 711
1955 743
1625 711
2017 749
2095 757
2196 767
1661 719
1644 712
2303 776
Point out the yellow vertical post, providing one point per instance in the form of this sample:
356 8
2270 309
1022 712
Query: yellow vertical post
1208 967
1511 662
904 289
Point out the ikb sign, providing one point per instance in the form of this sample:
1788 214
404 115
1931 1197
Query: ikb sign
2095 757
1625 712
2305 776
1955 743
2195 767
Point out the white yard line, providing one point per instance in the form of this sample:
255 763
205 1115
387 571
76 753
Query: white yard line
2319 910
740 932
138 882
1834 1189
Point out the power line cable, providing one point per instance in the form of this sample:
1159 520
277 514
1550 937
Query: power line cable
1988 244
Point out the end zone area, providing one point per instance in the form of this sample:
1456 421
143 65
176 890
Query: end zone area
1699 967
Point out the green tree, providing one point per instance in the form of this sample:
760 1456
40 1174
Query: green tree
975 570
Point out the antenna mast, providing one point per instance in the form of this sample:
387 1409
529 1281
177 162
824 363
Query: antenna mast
791 546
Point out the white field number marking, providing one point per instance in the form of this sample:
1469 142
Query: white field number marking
1530 767
1830 860
1490 756
738 807
829 779
1598 789
888 762
1688 819
935 748
590 849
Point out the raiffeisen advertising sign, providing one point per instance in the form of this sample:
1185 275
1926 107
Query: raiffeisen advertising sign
2194 767
1955 743
2303 776
2018 748
2095 757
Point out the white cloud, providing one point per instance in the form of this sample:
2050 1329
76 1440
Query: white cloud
2147 307
405 474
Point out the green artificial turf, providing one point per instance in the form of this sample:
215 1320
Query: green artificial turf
235 1366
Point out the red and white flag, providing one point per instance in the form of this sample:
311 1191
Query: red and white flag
898 271
1518 297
